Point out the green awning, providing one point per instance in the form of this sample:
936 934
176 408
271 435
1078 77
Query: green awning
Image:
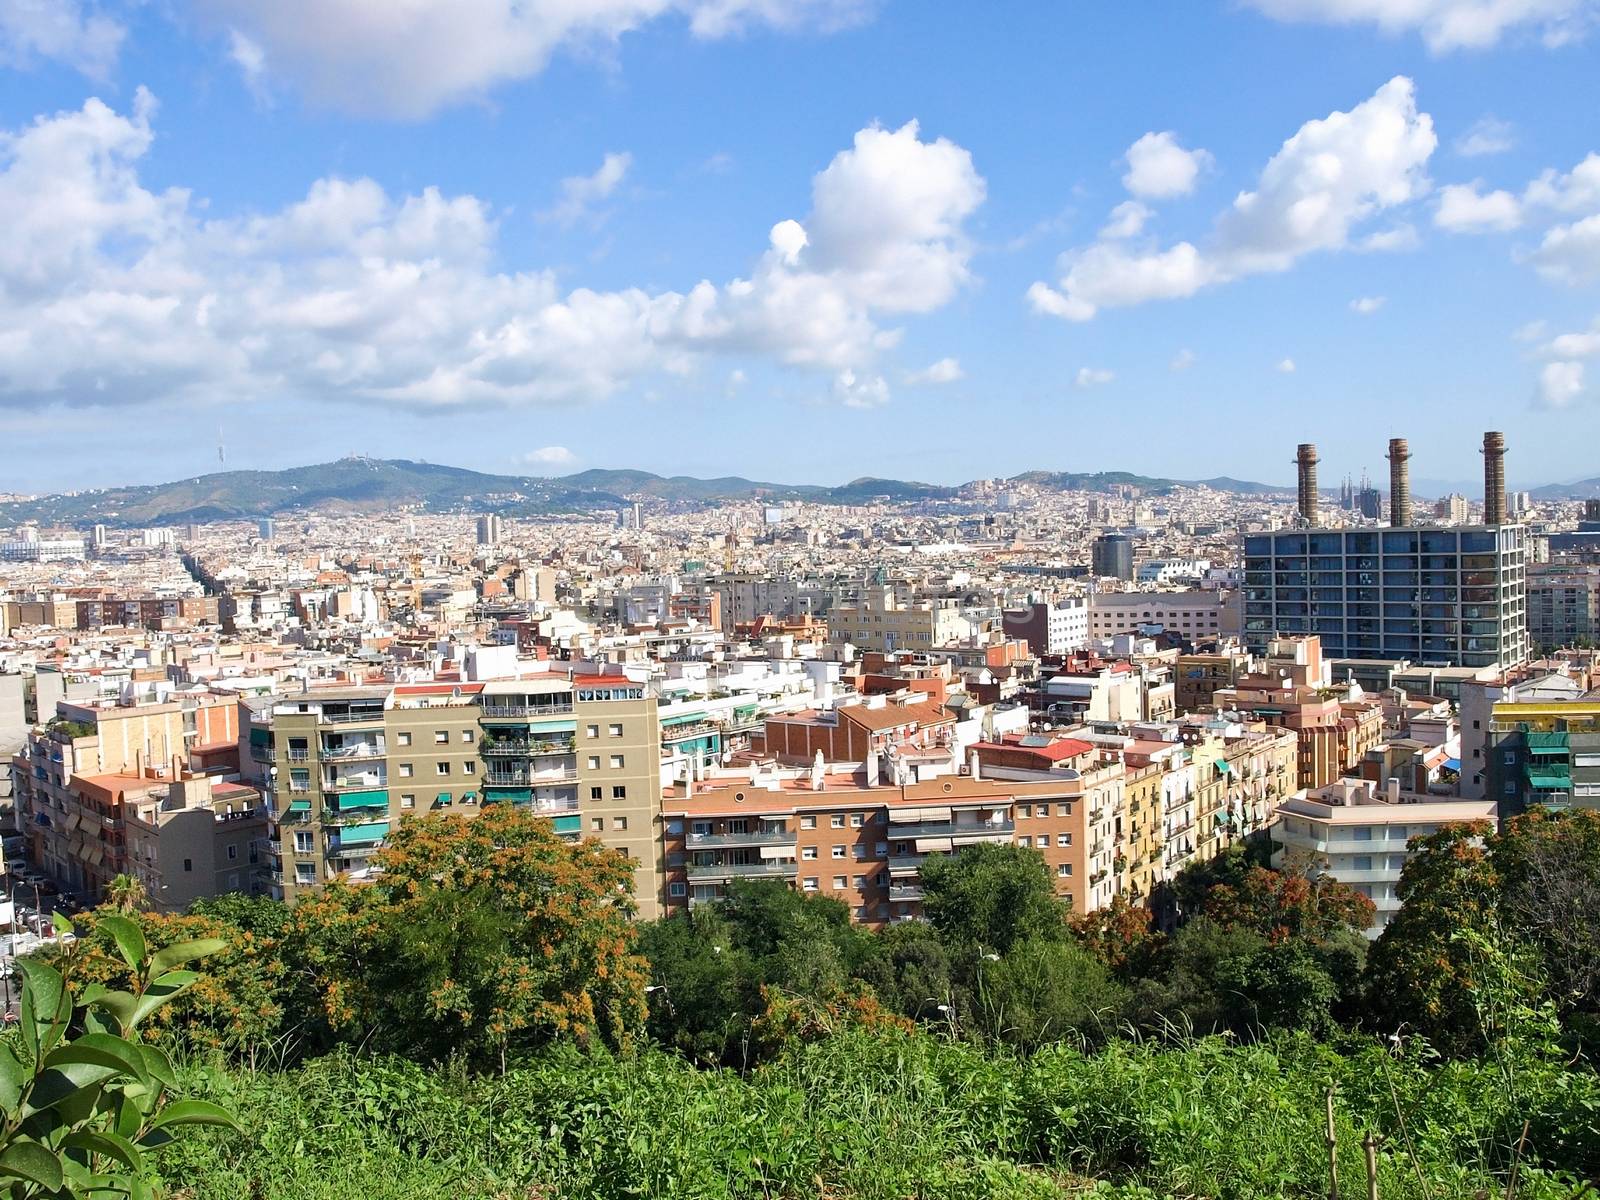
469 797
370 799
261 737
683 719
507 795
442 798
364 835
569 824
299 806
1549 780
1223 766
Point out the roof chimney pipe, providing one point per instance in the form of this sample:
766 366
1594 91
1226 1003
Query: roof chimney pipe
1306 460
1399 482
1494 478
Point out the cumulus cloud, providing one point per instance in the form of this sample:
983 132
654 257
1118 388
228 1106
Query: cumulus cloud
377 57
111 292
1182 360
1584 344
1561 384
1334 174
1127 220
1286 366
1088 377
550 456
946 370
1159 167
1488 135
1367 305
1464 209
65 31
1446 25
581 195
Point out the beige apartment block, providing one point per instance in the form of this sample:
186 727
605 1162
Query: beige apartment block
197 836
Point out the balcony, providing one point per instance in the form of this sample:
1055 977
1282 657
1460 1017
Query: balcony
984 831
359 850
349 783
767 869
904 893
527 710
695 729
358 717
718 841
355 750
525 748
521 777
906 864
299 755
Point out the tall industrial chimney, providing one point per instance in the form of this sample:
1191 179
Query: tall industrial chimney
1399 482
1306 460
1494 478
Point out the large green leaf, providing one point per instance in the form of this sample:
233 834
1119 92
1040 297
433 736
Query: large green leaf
129 939
13 1077
65 1082
194 1112
62 923
102 1049
109 1144
158 1066
31 1161
175 956
45 1005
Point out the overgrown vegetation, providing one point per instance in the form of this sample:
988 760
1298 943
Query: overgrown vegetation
486 1021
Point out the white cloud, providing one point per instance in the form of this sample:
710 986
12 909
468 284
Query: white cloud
1488 135
1158 166
1445 25
1585 344
1182 360
1286 366
1561 384
1570 253
855 390
582 194
1390 241
946 370
1367 305
1578 191
1331 176
251 61
63 31
550 456
1088 377
1533 331
113 293
1464 209
408 60
1127 220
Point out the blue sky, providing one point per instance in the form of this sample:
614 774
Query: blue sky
801 240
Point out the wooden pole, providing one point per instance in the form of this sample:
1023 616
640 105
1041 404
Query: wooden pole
1333 1153
1370 1145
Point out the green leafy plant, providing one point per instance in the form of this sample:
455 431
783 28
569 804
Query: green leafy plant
85 1102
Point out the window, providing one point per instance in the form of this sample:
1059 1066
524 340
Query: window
305 874
441 768
408 800
616 762
188 864
837 820
614 729
1063 839
858 851
597 824
838 851
233 852
466 736
808 822
810 852
596 793
856 820
405 771
619 792
1063 870
677 889
591 731
470 767
810 884
882 849
594 762
302 841
1361 833
1042 840
1511 758
299 779
441 737
619 823
402 739
1024 811
1361 862
858 881
838 883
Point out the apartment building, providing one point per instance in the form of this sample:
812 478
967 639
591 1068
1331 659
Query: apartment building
1192 615
1050 627
1197 677
884 624
1360 833
1563 606
1544 752
195 836
836 834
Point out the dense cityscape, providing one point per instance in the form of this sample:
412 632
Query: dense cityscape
799 600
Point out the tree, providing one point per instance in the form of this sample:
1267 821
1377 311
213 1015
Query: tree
477 937
989 897
1420 974
705 989
912 972
125 894
1121 937
84 1101
1042 991
1548 867
1299 901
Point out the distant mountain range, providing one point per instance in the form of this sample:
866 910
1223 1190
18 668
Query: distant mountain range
359 484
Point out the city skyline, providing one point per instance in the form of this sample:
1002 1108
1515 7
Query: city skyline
534 247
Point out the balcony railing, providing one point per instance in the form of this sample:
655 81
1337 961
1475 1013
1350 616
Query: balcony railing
336 785
527 710
767 869
904 893
364 850
525 748
351 718
717 841
299 755
358 750
950 829
512 777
